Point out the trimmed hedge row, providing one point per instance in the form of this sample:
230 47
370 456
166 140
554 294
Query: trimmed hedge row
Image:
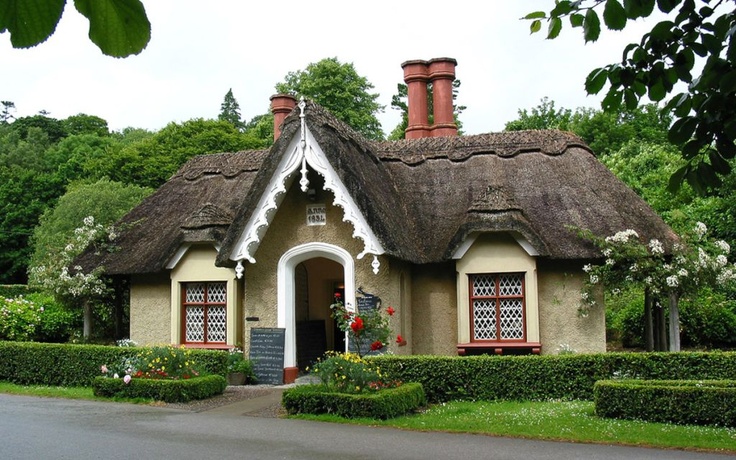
382 404
539 378
698 402
14 290
30 363
170 391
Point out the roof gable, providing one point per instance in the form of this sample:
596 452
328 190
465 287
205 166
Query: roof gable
302 152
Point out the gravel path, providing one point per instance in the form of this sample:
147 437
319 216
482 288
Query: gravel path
233 394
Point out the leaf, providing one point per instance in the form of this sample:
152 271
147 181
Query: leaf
555 26
595 80
614 15
30 22
612 101
728 82
730 128
638 8
562 8
536 15
720 165
591 26
577 19
682 130
666 6
708 176
118 27
535 26
663 30
630 99
657 91
677 178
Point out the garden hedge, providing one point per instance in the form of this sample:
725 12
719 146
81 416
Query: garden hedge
539 378
171 391
382 404
30 363
697 402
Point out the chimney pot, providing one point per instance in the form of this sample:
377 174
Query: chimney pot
281 106
416 76
442 74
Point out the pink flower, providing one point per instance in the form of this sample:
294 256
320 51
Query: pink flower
127 379
103 368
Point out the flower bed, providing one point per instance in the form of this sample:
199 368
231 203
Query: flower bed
698 402
381 404
171 391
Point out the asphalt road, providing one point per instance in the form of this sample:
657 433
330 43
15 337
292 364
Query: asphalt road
45 428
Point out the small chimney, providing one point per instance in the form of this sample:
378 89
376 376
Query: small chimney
442 74
281 106
416 76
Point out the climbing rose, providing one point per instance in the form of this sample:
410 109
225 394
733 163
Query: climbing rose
390 311
127 379
399 339
357 325
377 345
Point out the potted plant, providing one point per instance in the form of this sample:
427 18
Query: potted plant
239 369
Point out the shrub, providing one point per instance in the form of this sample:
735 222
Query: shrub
58 323
382 404
29 363
236 363
349 373
170 391
699 402
19 318
539 378
15 290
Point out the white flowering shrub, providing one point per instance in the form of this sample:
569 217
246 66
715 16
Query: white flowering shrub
694 264
19 318
71 284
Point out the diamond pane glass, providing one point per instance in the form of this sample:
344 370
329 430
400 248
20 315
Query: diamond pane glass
512 319
484 285
510 285
216 324
195 293
484 320
216 293
194 329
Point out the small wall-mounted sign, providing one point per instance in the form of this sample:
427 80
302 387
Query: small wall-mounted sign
316 214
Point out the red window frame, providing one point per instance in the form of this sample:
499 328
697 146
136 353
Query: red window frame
206 304
497 299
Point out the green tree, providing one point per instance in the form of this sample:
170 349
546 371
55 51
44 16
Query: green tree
5 115
118 27
338 88
230 111
543 116
399 101
53 128
86 124
694 32
261 127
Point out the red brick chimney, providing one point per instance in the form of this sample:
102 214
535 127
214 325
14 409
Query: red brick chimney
442 74
416 76
281 106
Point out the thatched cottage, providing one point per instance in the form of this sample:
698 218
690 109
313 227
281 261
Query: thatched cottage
471 239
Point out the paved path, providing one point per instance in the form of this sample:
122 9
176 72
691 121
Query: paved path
45 428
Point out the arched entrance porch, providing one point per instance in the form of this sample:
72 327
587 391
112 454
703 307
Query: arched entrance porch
318 260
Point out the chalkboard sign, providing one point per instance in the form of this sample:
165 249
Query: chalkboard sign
367 304
267 354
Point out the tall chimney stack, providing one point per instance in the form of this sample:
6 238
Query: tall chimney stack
442 74
281 106
416 76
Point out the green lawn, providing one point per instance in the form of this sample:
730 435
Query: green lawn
559 420
563 421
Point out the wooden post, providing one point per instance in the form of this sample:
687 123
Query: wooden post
674 322
661 328
87 328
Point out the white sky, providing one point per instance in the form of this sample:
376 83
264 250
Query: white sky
199 50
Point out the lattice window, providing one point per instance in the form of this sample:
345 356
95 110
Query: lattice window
497 307
205 312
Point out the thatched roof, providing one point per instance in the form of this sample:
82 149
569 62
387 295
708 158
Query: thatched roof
422 198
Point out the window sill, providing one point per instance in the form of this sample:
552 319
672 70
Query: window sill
499 347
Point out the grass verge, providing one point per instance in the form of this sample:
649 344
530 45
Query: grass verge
63 392
573 421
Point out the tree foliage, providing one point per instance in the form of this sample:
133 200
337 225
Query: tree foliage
230 111
118 27
694 33
338 88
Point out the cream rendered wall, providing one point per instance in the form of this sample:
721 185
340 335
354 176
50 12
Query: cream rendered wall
497 253
560 323
433 310
287 230
198 265
150 309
